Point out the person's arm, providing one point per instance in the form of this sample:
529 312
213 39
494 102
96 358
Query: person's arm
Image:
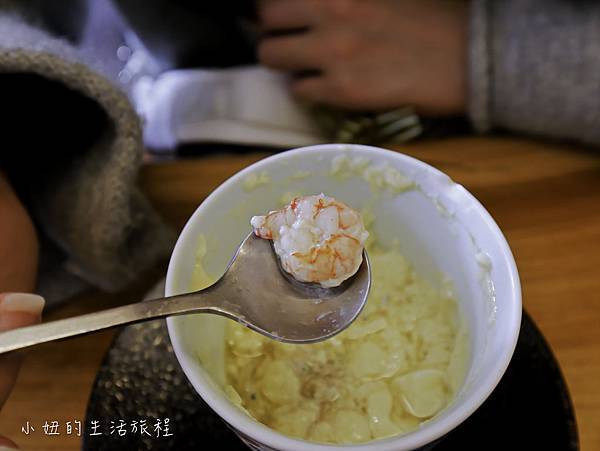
529 66
18 271
18 243
370 55
73 159
535 67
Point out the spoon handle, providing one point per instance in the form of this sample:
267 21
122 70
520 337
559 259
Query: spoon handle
196 302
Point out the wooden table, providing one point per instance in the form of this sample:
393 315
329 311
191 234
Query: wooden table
545 197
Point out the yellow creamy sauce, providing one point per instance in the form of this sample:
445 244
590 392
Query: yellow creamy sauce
398 365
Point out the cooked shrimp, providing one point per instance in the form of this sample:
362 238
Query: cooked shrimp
317 238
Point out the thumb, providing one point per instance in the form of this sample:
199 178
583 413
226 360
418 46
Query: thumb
6 444
19 310
16 310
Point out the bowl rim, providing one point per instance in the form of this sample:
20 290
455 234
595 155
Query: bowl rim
424 435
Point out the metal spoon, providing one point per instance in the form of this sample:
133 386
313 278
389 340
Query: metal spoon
254 291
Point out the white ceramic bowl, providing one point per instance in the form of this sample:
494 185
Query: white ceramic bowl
442 229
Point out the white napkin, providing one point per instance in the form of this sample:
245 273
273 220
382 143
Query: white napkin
248 105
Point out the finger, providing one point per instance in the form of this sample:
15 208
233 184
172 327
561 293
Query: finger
16 310
293 53
20 309
276 15
313 89
6 444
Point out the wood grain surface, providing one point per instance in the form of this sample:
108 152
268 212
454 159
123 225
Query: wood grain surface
545 197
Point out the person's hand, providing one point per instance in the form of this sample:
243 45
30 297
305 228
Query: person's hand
16 310
370 54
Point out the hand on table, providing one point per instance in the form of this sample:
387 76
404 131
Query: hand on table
16 310
370 54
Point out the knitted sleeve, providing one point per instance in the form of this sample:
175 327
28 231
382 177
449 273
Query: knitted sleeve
535 67
85 201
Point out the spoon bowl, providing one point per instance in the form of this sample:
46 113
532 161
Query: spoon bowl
253 291
270 301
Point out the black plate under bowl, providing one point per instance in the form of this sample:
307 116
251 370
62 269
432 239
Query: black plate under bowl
140 379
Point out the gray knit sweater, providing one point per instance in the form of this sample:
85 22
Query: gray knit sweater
534 67
90 209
